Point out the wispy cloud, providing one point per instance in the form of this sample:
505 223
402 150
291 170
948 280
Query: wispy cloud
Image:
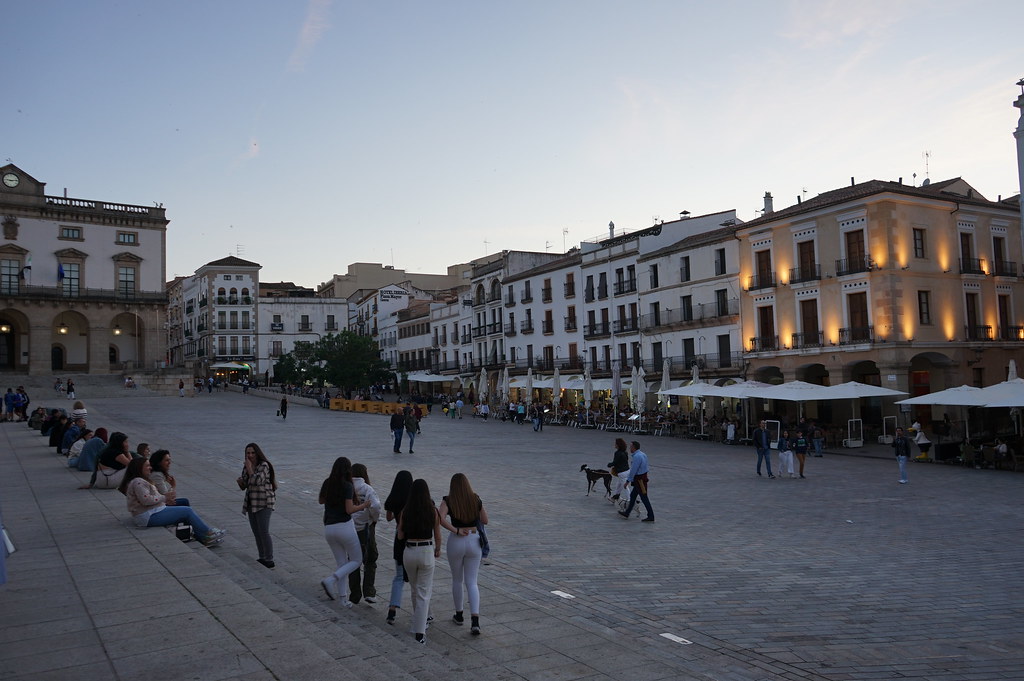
825 23
312 30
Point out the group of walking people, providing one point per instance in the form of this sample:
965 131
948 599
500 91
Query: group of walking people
418 523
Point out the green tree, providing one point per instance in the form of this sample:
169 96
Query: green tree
348 360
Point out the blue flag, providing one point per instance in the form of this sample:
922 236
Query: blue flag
60 272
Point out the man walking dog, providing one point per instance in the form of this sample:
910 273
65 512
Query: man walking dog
638 478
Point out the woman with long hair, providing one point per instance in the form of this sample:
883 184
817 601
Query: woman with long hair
260 485
393 506
160 462
420 526
464 510
149 508
619 466
113 460
338 495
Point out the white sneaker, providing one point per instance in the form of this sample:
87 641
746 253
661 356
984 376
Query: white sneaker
370 599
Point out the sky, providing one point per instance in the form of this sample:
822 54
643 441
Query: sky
309 134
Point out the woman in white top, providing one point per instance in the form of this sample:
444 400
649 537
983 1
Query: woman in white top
149 508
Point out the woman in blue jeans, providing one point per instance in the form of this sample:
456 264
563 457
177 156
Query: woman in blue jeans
393 506
149 508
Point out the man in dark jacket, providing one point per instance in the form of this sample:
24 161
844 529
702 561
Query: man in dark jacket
763 443
901 447
397 428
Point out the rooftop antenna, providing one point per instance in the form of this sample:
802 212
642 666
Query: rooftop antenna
547 245
804 192
915 179
487 245
927 173
565 230
239 250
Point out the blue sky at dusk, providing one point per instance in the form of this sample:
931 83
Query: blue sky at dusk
309 135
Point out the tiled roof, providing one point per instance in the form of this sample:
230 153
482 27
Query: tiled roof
935 190
232 261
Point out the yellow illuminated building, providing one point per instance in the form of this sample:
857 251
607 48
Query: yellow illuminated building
912 288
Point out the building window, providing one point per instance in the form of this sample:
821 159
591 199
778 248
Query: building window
126 281
245 345
684 268
234 345
227 277
72 279
10 271
277 319
238 277
919 245
222 345
331 325
686 308
654 276
924 307
71 233
128 238
304 323
276 348
719 261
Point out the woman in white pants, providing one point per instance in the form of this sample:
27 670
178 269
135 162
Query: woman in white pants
420 526
464 509
338 496
619 466
785 454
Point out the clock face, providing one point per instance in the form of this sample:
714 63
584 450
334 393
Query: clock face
11 180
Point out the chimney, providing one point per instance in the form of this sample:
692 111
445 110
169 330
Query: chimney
768 204
611 230
852 182
799 199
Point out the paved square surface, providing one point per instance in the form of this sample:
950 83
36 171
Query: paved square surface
844 575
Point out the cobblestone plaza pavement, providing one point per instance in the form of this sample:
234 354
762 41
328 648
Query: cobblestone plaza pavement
844 575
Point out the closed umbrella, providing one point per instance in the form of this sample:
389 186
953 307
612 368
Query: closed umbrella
666 375
556 390
529 386
481 389
640 392
505 386
616 392
588 391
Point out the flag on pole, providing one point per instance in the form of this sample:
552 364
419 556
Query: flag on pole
21 274
60 272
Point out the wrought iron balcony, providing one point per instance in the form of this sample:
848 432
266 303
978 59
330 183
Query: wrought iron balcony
545 295
570 289
626 325
971 266
761 280
510 329
1004 268
860 263
764 343
1011 333
978 333
526 326
627 286
814 339
804 273
598 329
510 300
547 327
570 323
853 335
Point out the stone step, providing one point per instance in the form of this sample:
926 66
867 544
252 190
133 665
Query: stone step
360 633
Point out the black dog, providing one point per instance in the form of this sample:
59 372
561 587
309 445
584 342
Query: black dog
595 474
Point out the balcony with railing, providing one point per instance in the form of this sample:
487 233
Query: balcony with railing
702 314
978 332
1011 333
547 327
1004 268
804 273
571 364
625 286
596 330
526 326
860 263
203 302
510 329
467 339
510 300
853 335
761 280
588 295
493 328
813 339
526 297
442 366
17 289
570 323
626 325
570 289
545 295
330 326
602 292
305 328
971 266
764 343
479 331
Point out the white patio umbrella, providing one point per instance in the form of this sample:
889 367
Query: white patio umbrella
960 396
1009 393
854 390
742 391
640 390
505 386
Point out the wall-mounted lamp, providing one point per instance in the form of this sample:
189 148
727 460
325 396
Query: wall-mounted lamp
5 328
945 271
63 328
117 329
905 268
